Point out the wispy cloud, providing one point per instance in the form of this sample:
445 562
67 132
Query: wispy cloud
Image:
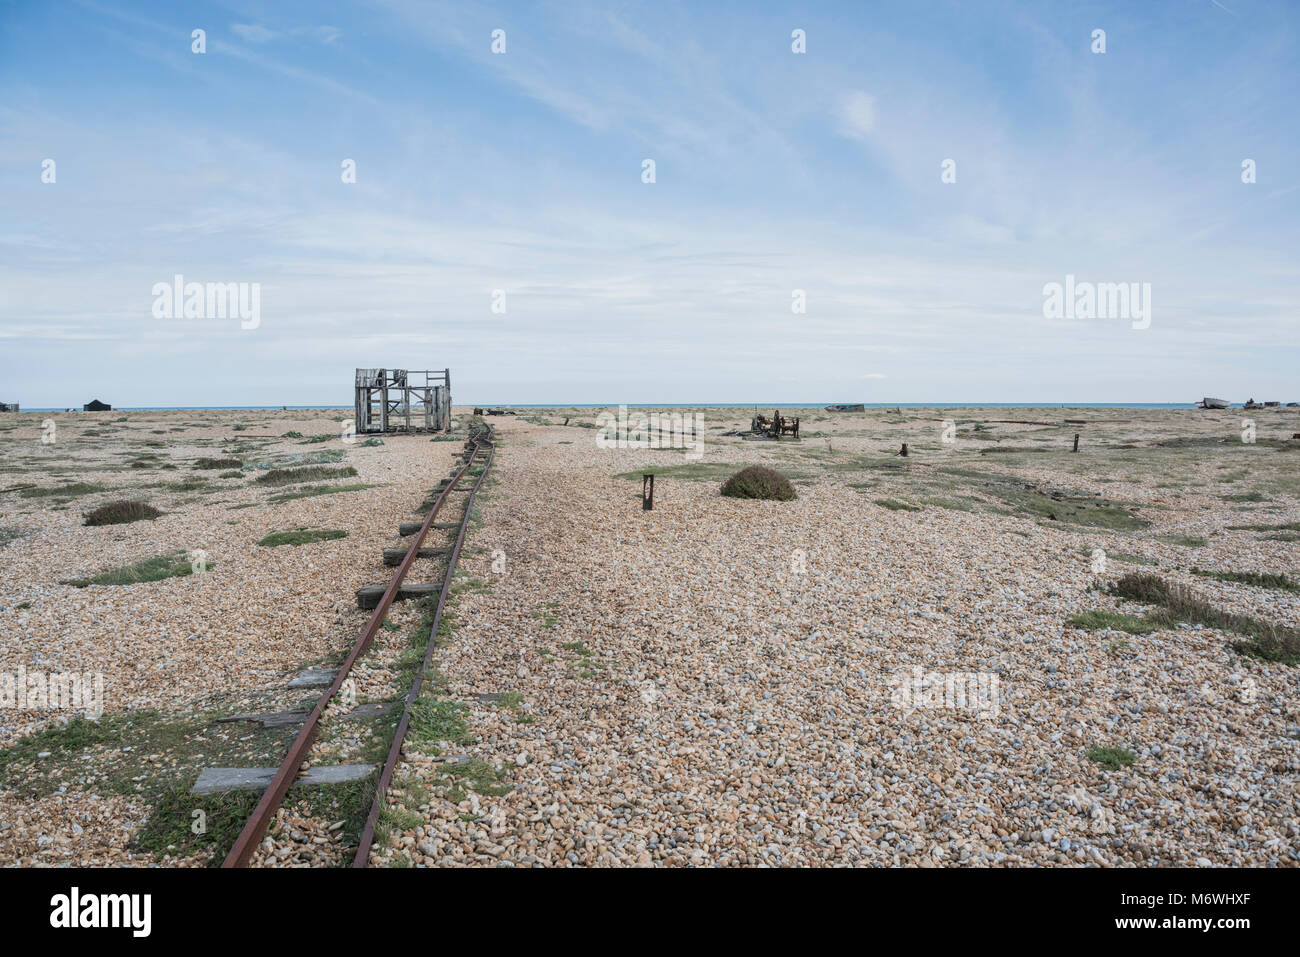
857 115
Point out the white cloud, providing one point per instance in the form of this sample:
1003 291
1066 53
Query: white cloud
252 33
324 33
857 115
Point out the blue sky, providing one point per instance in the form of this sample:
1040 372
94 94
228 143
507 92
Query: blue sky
775 171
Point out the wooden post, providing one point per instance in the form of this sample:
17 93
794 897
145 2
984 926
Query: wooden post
1076 441
647 491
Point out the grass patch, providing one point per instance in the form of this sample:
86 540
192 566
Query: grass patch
1263 639
157 568
475 775
170 826
1112 759
1283 527
69 491
308 473
207 463
302 536
548 613
313 490
192 483
120 513
435 719
894 505
1258 579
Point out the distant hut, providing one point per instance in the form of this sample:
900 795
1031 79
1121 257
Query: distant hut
94 405
8 406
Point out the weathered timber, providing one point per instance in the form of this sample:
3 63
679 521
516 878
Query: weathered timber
368 597
393 556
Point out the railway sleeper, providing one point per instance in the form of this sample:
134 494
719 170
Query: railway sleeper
368 597
223 780
410 528
394 556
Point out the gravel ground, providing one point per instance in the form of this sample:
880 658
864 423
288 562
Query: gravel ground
249 622
715 681
690 697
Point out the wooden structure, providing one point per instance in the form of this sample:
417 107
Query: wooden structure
94 405
8 406
397 400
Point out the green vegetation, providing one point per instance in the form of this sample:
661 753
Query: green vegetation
169 829
70 491
207 463
323 437
313 490
759 482
474 775
1258 579
1264 640
302 536
894 505
120 513
309 473
691 472
1112 758
436 719
171 565
548 613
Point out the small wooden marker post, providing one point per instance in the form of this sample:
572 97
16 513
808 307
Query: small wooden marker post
1076 442
647 491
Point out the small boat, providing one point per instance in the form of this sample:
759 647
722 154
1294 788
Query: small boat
847 407
1208 403
1271 405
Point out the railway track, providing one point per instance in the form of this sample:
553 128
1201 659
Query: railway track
479 450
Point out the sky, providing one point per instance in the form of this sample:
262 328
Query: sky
500 223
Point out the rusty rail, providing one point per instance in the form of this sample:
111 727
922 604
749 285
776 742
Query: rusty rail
255 828
395 749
